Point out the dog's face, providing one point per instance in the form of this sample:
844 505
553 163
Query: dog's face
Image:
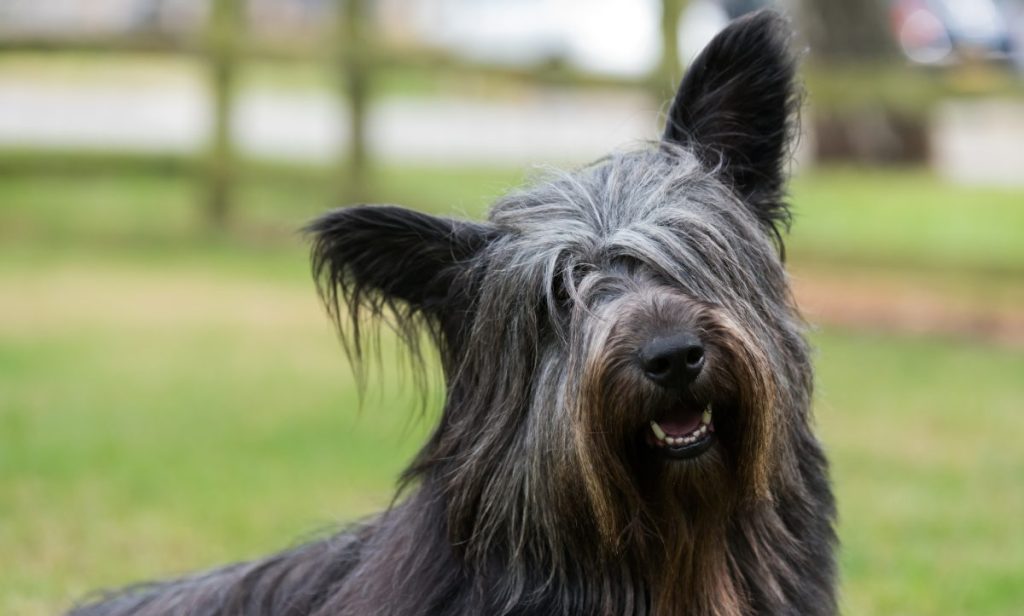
618 337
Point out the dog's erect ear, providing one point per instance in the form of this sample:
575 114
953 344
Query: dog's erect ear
372 258
736 107
395 252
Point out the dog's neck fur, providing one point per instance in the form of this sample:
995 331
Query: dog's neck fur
748 560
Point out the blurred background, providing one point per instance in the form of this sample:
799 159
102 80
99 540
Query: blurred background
172 397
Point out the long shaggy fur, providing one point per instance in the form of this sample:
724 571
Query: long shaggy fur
536 493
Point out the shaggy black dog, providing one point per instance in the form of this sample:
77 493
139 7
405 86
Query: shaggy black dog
626 427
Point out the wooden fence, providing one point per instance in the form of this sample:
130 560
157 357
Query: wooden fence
358 57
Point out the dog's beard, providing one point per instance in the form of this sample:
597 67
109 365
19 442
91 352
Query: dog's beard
669 515
637 490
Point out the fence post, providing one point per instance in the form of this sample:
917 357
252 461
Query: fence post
222 57
669 69
355 68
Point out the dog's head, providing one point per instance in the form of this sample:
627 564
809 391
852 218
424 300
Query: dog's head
619 344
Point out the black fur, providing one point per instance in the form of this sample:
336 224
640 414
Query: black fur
378 262
736 108
545 488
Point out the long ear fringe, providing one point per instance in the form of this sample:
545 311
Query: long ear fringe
358 312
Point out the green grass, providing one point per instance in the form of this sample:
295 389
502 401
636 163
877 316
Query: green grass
901 218
906 217
144 425
82 205
170 418
172 399
155 217
921 435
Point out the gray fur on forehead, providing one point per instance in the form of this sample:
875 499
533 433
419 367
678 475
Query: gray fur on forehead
657 207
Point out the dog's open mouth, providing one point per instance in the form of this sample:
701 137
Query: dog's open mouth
683 431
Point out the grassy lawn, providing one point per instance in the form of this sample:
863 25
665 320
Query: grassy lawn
907 219
170 418
170 400
897 219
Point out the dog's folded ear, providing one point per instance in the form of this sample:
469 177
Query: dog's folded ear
371 256
736 107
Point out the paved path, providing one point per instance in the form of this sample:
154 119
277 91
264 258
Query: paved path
175 117
906 304
973 142
980 142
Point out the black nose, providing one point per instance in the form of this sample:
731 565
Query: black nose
673 361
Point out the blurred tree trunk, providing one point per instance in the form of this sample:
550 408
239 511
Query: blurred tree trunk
846 31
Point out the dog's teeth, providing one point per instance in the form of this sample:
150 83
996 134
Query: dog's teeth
706 417
658 432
